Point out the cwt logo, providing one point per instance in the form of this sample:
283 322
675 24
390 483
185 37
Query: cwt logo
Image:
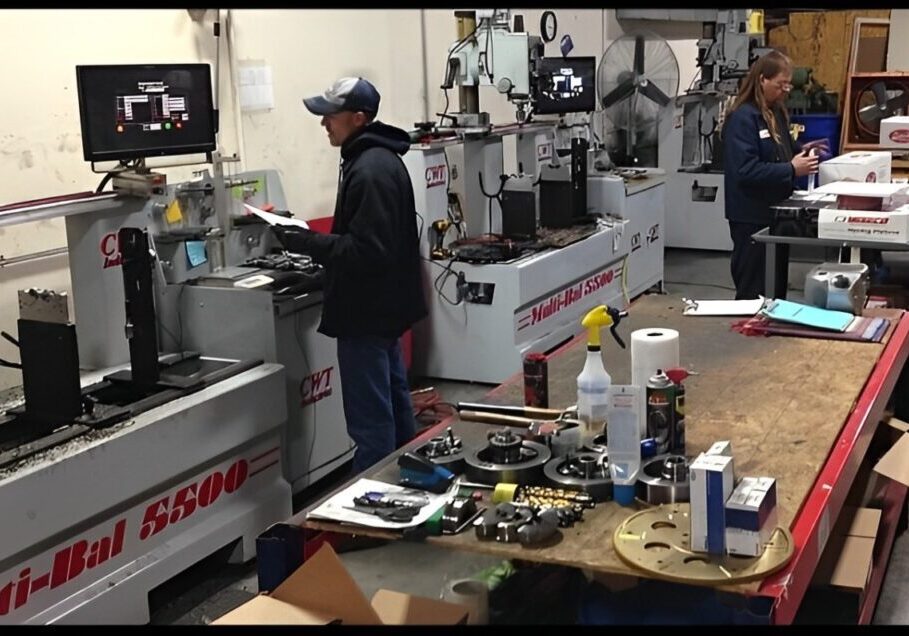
436 176
315 387
110 250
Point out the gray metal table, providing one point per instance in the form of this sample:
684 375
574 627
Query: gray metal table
776 268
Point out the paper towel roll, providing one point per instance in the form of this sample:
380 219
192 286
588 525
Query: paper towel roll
651 350
471 593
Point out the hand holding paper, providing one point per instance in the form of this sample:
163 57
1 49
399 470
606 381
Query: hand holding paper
276 219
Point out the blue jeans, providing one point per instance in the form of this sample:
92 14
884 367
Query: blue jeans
376 397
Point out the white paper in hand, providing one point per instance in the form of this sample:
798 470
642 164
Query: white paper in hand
276 219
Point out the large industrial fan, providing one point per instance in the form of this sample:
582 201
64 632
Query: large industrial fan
878 101
637 80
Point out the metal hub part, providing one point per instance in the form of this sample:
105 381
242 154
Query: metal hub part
663 480
657 540
445 450
585 471
597 444
508 458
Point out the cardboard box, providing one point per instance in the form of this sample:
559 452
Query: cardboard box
848 555
894 132
856 166
711 481
852 225
751 516
322 592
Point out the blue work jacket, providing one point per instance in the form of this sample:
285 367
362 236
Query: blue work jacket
758 172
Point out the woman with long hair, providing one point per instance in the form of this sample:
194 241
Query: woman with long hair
762 162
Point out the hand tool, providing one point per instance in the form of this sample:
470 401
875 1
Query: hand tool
375 499
400 514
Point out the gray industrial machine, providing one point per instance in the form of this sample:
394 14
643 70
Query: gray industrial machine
496 290
205 387
726 50
838 286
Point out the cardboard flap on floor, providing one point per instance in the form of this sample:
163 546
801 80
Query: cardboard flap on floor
265 610
395 608
321 591
895 462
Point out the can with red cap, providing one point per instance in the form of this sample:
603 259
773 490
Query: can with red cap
536 380
677 375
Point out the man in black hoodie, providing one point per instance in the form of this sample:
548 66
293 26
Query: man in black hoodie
373 289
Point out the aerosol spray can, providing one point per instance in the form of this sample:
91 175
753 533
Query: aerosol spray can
536 380
660 410
677 376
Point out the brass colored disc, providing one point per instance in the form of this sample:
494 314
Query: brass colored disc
656 540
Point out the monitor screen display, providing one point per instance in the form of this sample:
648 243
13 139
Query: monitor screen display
566 85
145 110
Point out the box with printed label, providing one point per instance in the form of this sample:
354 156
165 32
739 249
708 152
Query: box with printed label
751 516
856 166
711 481
894 132
853 225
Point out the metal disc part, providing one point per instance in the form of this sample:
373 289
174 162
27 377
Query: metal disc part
663 480
506 461
585 471
445 450
657 540
597 444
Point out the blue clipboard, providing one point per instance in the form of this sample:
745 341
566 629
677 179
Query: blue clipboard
788 311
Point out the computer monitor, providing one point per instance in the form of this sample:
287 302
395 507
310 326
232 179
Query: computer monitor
130 111
566 85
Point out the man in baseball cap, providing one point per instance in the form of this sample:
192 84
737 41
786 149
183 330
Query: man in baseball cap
372 291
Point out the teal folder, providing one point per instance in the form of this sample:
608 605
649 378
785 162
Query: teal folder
788 311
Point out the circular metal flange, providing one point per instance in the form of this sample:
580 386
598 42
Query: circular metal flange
442 451
525 465
657 540
597 444
663 480
585 471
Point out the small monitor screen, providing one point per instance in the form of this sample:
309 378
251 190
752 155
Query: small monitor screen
145 110
566 85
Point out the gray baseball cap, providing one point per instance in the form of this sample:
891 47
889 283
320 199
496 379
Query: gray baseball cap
348 93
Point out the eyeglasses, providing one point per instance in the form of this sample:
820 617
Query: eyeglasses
783 86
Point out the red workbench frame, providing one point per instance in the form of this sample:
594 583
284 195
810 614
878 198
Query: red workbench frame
821 508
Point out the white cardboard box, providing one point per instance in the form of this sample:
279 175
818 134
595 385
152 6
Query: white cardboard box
720 448
860 165
894 132
711 481
850 225
751 516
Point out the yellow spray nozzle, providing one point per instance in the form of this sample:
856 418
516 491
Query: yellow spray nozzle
593 321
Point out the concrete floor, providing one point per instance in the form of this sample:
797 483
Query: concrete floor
213 587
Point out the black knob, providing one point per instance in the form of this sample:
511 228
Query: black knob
840 281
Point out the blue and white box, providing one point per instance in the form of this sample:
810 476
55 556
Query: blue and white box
751 516
711 480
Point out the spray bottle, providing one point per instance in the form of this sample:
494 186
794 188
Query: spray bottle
594 381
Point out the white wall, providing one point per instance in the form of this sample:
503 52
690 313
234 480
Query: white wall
40 140
402 51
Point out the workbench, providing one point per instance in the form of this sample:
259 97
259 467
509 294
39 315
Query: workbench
801 410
